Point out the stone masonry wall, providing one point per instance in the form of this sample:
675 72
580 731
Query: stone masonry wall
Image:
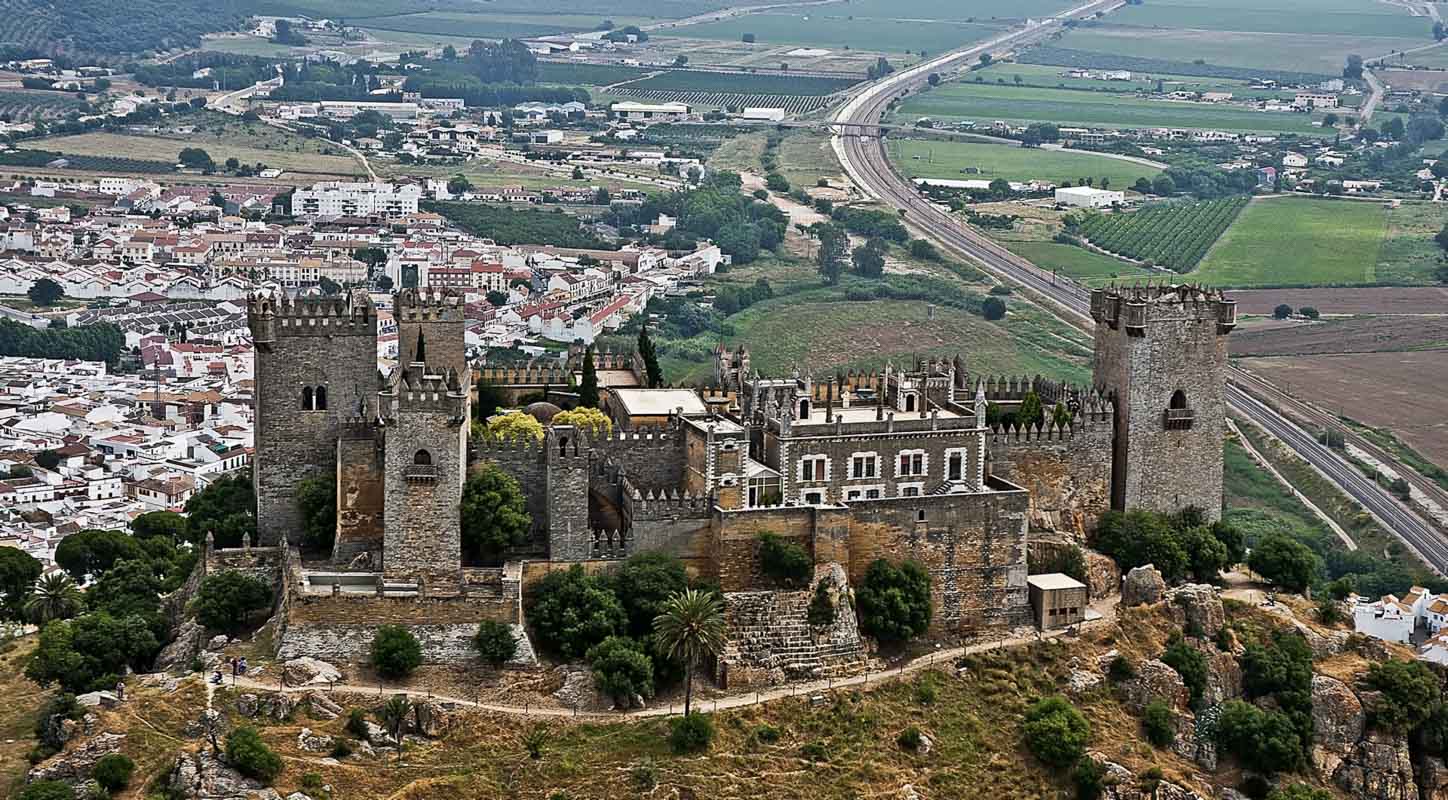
652 459
526 463
973 545
736 541
770 639
359 496
1068 477
423 535
570 537
442 643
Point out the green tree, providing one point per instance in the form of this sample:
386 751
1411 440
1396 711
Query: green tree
226 508
196 158
316 499
621 669
1191 665
494 513
1282 311
1285 562
1409 694
993 308
495 642
395 652
249 755
226 599
92 552
894 601
690 628
1265 741
1163 185
1030 413
1159 722
588 386
91 651
821 606
46 790
571 611
644 584
392 715
869 258
1056 732
834 248
653 375
45 292
784 561
1137 537
55 597
18 572
776 182
159 524
113 772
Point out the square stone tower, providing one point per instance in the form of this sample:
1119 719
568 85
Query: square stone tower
1161 355
316 366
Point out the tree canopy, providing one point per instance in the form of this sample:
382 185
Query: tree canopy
494 513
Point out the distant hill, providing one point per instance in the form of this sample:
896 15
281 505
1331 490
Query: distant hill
100 28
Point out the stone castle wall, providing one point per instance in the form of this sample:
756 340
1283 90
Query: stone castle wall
770 639
1068 474
423 534
652 458
359 494
570 536
525 462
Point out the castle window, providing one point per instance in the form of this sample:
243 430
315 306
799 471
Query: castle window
912 462
955 467
863 465
321 398
563 446
920 515
804 409
1178 399
422 458
814 468
307 398
1178 414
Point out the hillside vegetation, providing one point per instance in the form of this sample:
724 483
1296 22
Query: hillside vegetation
83 28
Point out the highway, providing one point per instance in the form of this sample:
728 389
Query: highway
865 160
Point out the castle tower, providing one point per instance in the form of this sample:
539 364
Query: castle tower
424 465
316 363
431 322
1161 356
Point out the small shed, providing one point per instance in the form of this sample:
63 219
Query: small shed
1057 600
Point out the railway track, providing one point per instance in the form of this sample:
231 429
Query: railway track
868 165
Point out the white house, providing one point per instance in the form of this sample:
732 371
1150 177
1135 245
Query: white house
1294 160
1389 619
650 111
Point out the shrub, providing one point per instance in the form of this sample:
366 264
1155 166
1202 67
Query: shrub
46 790
1285 562
571 611
784 561
395 652
926 692
1056 732
993 308
225 599
1282 311
767 733
1408 695
1299 791
894 601
1264 741
250 756
644 777
1121 669
621 669
357 723
534 740
814 751
1160 723
1191 665
113 772
821 606
1329 612
691 734
1090 779
495 642
341 748
909 738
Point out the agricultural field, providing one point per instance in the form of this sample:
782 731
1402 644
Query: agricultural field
806 156
1367 300
1398 391
977 102
1409 254
491 25
1068 57
1171 235
830 29
1083 266
930 158
957 10
1053 76
580 74
793 104
20 106
1295 241
1335 17
738 83
224 139
1317 53
1360 334
43 158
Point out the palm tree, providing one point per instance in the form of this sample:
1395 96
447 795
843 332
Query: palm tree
393 714
55 597
690 627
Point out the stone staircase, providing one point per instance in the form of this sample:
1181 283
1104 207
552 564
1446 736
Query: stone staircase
771 641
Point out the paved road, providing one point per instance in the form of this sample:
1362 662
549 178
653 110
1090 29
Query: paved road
865 160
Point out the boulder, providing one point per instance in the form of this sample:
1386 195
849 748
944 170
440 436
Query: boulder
304 671
1142 586
321 706
247 704
278 706
298 796
1121 784
201 776
100 699
217 642
1432 778
1224 675
178 655
314 742
1103 577
75 766
925 745
1378 768
907 792
578 690
1189 744
428 719
378 735
1337 723
1154 680
1197 608
1082 681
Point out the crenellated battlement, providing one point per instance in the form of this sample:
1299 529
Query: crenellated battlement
271 315
651 504
427 305
1134 307
418 391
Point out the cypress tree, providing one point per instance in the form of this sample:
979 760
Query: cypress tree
653 375
588 389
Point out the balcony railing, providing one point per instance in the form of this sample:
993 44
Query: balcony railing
1178 418
420 472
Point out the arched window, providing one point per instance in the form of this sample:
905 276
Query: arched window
1178 400
307 398
422 458
563 446
321 398
909 403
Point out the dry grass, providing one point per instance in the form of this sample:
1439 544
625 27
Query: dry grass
18 713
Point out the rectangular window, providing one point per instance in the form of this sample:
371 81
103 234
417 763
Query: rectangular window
910 491
812 469
814 498
863 466
956 466
872 494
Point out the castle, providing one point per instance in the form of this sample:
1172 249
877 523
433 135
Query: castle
925 462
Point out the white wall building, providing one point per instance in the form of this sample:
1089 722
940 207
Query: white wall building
337 199
1088 197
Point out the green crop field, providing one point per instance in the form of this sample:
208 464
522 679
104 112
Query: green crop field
1317 53
1298 242
957 10
1278 16
1172 235
917 158
490 25
819 30
777 83
984 102
586 74
1049 76
1083 266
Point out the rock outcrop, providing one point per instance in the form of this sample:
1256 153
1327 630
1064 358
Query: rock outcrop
1378 768
1197 608
304 671
578 690
201 776
1142 586
1154 680
75 765
1337 723
184 649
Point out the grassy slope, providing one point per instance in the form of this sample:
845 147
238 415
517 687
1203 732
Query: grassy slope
1086 267
17 714
1297 241
941 159
250 144
984 102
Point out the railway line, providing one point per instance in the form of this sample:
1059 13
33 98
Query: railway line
868 165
